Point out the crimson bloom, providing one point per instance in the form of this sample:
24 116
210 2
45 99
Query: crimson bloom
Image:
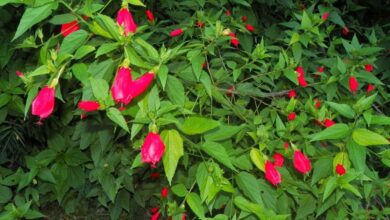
88 106
249 27
320 69
317 103
138 86
271 174
69 28
340 170
153 149
125 20
176 32
301 162
292 94
370 87
278 160
301 76
150 15
291 116
121 86
325 16
353 84
155 216
328 123
368 67
234 40
286 145
43 104
20 74
164 192
345 31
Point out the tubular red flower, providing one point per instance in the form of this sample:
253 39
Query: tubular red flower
317 103
301 76
353 84
138 86
150 15
20 74
88 106
176 32
301 162
69 28
340 170
164 192
125 20
155 216
278 160
234 40
120 88
291 116
302 81
325 16
368 67
300 71
43 104
271 174
292 94
320 69
244 18
249 27
328 123
153 149
370 87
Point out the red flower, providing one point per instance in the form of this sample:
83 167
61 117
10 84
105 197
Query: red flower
150 15
152 149
250 27
291 116
368 67
325 16
230 91
125 19
301 76
138 86
317 103
328 123
286 145
234 40
228 13
353 84
292 94
301 162
154 176
69 28
183 216
204 65
300 71
370 87
200 24
271 174
345 31
176 32
278 160
155 216
164 192
121 86
43 104
340 170
153 210
88 106
20 74
244 18
320 69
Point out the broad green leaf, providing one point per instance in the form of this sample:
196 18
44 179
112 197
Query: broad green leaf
364 103
336 131
115 115
341 158
198 125
343 109
173 151
109 25
357 155
352 189
6 194
80 71
106 48
163 75
152 52
330 186
221 133
99 88
291 75
257 158
42 70
135 2
4 99
341 65
218 152
380 120
175 91
194 202
205 180
83 51
306 206
62 19
247 183
247 206
32 16
179 190
366 137
73 41
197 62
306 22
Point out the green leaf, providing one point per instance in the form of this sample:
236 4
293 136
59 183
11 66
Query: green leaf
163 75
307 206
175 91
109 25
193 200
336 131
341 65
343 109
247 206
380 120
80 71
291 75
73 41
198 125
6 194
179 190
100 88
257 158
135 2
4 99
152 52
74 157
218 152
306 22
42 70
173 151
366 137
352 189
330 186
83 51
197 62
32 16
62 19
106 48
115 115
221 133
364 103
247 183
357 155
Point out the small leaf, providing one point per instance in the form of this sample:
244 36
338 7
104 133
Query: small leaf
195 204
106 48
331 185
115 115
173 151
99 88
366 137
257 158
198 125
218 152
175 90
336 131
179 190
343 109
306 22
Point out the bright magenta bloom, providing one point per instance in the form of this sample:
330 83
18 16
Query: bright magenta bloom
88 106
153 149
340 170
353 84
120 89
150 15
291 116
328 123
164 192
125 19
43 104
176 32
301 162
271 174
139 86
278 160
69 28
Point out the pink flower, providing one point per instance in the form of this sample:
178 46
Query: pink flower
43 104
69 28
155 216
370 87
328 123
340 170
271 174
139 86
250 27
320 69
278 160
291 116
176 32
292 94
353 84
150 15
125 20
120 89
88 106
301 162
368 67
153 149
164 192
325 16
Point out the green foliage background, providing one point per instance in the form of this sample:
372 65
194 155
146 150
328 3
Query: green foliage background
217 142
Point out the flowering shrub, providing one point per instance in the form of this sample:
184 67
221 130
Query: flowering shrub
194 109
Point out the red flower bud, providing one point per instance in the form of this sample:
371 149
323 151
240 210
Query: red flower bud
43 104
20 74
155 216
234 40
368 67
153 149
317 103
244 18
300 71
278 160
320 69
88 106
328 123
340 170
153 210
250 27
292 94
120 89
200 24
353 84
302 81
150 15
301 162
139 86
291 116
228 13
176 32
286 145
69 28
345 31
301 76
370 87
271 174
164 192
125 20
183 216
325 16
154 176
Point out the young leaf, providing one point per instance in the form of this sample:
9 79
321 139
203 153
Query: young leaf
115 115
218 152
336 131
366 137
173 151
194 202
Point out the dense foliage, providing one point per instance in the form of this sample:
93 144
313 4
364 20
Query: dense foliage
243 109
